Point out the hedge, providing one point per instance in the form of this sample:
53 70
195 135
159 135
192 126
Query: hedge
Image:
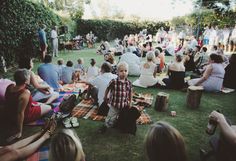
109 29
19 21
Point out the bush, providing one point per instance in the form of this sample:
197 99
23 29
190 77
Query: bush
19 21
109 29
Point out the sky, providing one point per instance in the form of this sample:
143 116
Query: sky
146 9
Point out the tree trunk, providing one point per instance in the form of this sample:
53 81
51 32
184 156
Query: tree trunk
162 100
194 96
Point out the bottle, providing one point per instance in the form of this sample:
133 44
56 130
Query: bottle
211 126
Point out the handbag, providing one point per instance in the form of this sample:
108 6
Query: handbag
68 103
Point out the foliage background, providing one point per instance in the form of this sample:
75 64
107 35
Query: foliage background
110 29
19 21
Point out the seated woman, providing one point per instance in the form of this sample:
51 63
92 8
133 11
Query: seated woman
161 57
20 108
109 58
66 146
119 49
189 60
67 73
39 89
212 79
148 71
230 70
93 70
24 148
176 72
164 143
103 48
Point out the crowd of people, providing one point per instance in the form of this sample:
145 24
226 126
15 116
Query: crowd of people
30 96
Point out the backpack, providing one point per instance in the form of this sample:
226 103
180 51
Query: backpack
68 103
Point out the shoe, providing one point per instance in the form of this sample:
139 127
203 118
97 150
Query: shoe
202 154
102 129
74 121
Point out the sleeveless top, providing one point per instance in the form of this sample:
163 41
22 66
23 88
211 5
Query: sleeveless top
32 111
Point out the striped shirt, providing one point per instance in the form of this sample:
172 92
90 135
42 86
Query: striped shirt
120 93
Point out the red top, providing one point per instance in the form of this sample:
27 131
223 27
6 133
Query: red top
32 111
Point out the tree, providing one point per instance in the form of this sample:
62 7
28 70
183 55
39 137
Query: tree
74 7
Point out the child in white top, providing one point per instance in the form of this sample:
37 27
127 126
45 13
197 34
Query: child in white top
93 70
80 66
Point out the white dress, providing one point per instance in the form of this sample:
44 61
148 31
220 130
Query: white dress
146 78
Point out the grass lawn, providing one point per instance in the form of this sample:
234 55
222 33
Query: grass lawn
115 146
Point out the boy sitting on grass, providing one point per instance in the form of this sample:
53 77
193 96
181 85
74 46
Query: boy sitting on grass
118 96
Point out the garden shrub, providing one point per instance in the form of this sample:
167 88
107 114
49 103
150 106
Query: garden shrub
19 21
109 29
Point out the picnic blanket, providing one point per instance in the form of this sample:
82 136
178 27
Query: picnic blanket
56 104
75 87
85 109
40 155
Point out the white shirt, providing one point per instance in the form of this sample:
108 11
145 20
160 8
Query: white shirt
133 61
92 72
233 34
177 66
226 33
101 82
53 34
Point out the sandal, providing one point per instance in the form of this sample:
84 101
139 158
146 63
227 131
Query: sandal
66 123
74 121
71 122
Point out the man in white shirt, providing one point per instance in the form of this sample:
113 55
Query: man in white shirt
133 60
54 38
101 83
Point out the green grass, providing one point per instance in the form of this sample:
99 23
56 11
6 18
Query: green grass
114 145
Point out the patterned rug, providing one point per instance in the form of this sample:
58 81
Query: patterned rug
67 89
85 109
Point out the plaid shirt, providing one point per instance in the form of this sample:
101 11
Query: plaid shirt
120 93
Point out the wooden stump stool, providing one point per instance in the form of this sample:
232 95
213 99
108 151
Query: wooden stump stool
194 96
162 100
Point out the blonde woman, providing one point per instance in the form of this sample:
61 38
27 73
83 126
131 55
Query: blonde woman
164 143
148 71
66 146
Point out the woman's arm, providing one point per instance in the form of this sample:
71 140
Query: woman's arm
205 76
228 131
35 83
23 102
